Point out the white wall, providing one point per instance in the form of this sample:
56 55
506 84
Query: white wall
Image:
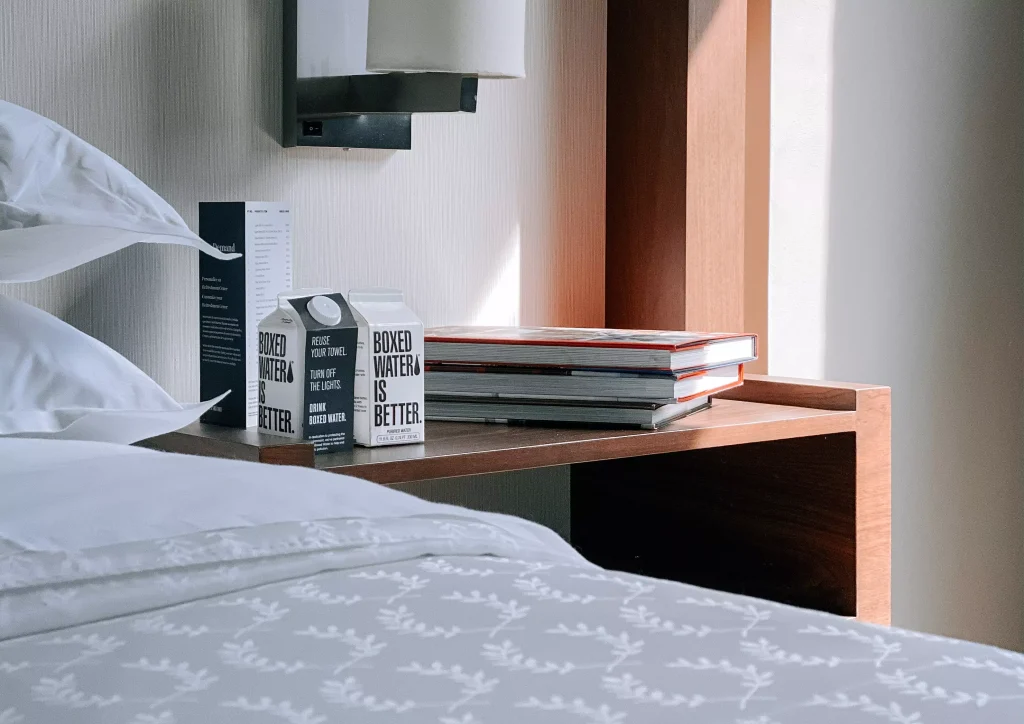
897 257
801 134
492 217
495 217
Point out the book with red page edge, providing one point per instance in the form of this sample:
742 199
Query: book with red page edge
564 371
494 382
588 348
715 390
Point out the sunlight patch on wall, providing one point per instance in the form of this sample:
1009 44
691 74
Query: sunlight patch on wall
799 196
501 307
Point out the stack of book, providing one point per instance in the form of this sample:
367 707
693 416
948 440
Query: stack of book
586 376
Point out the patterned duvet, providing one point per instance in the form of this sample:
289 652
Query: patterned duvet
346 635
144 588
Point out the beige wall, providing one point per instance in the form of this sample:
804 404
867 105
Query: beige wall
897 257
801 137
492 217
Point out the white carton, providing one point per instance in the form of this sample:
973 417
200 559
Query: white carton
389 369
306 369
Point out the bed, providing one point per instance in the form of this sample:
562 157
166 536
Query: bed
142 587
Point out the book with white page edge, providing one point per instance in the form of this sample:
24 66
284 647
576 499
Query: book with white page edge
645 415
588 348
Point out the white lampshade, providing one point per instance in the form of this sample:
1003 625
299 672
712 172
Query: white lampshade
486 38
331 37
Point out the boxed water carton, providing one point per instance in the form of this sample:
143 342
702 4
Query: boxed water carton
307 364
234 296
389 369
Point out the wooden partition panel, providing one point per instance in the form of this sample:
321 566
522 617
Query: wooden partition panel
780 490
774 520
716 164
806 520
758 158
645 251
687 164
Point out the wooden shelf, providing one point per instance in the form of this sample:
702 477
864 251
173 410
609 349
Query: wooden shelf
454 449
783 486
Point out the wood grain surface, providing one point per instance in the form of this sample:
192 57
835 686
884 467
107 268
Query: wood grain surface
817 394
782 491
758 176
874 505
454 449
716 162
645 246
232 443
805 520
773 520
687 164
872 406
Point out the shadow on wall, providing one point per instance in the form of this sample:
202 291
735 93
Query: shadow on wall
265 45
926 291
95 298
700 21
172 91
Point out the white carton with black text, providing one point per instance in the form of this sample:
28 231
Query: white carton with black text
389 369
307 369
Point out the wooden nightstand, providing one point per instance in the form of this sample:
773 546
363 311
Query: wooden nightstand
781 490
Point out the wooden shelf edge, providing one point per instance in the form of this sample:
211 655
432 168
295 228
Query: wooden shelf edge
585 451
184 442
816 394
874 506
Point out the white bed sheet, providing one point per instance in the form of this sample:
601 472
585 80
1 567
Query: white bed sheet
72 495
398 610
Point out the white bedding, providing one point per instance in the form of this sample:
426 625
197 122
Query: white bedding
147 588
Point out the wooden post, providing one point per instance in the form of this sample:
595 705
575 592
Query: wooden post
645 250
755 247
874 506
687 164
716 121
872 501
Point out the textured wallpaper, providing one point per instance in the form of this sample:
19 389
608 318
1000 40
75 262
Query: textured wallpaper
495 217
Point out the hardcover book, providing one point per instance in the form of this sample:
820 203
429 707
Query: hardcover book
588 348
493 381
646 415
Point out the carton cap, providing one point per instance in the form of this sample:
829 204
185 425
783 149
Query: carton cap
308 292
376 295
324 310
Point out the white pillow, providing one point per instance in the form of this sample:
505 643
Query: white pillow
58 382
64 202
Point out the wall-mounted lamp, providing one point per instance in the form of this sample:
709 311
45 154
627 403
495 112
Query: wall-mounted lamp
356 70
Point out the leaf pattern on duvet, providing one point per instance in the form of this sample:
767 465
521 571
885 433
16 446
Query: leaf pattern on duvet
352 621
